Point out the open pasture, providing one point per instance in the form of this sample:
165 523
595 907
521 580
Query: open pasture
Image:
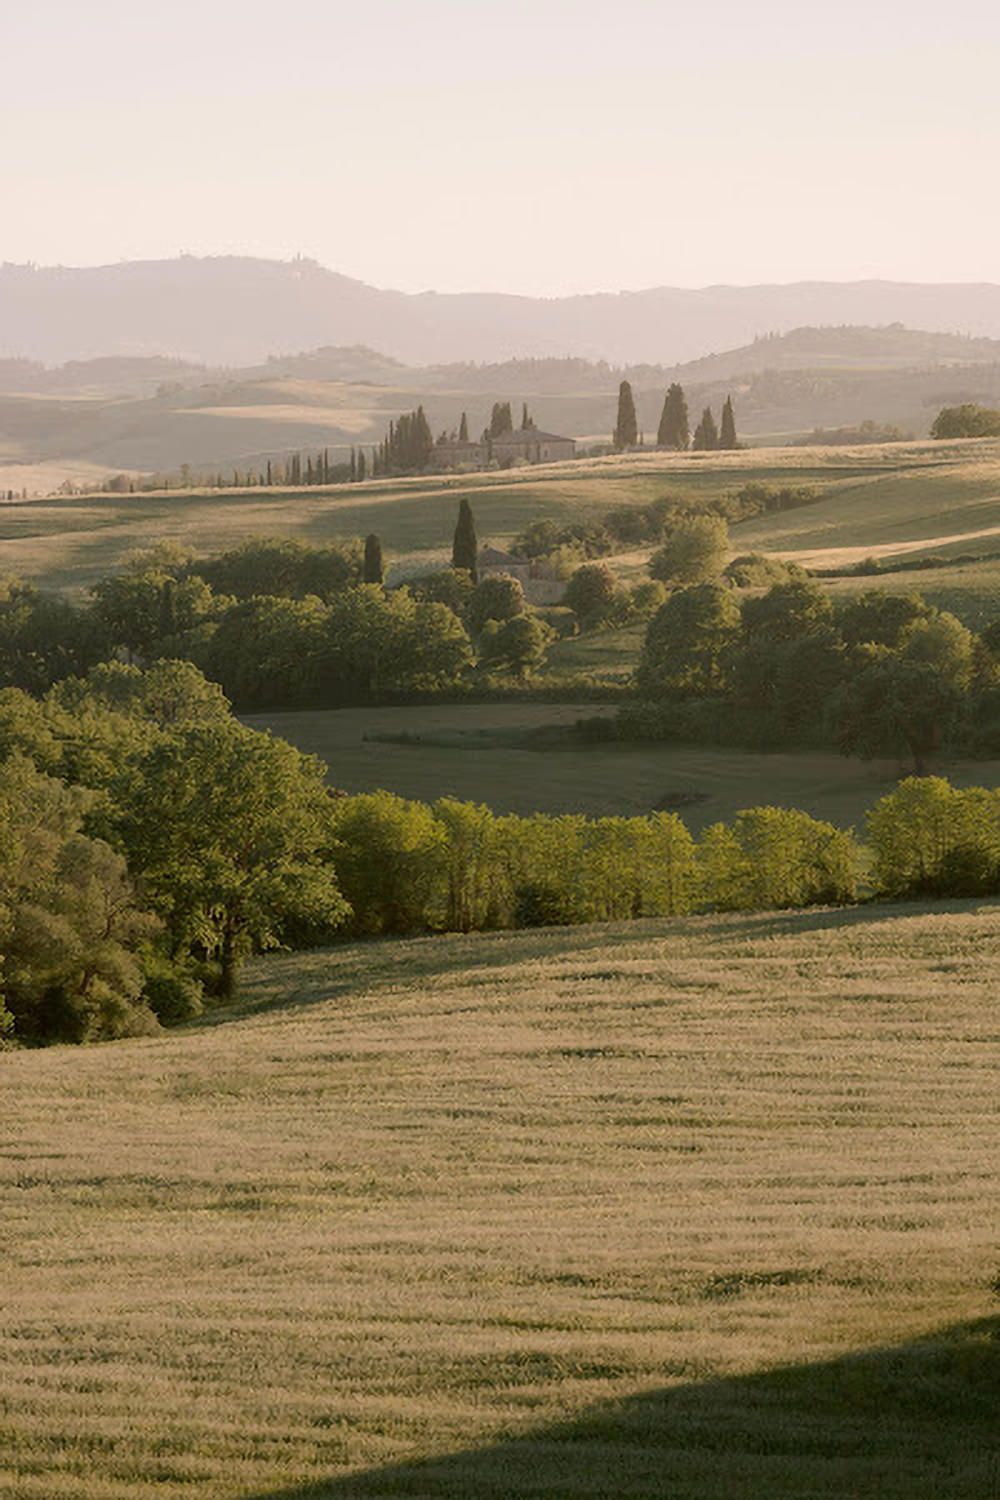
499 754
871 495
687 1209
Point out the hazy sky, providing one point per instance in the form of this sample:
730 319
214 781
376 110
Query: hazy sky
541 146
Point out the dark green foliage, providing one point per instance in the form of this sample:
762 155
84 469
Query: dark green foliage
517 645
374 570
626 433
463 429
43 638
281 567
465 546
592 593
966 421
688 643
501 420
727 431
706 434
694 551
498 597
451 586
228 831
674 430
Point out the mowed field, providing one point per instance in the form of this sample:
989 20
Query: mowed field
876 497
478 753
694 1209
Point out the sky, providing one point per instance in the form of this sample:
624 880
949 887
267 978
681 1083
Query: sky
534 146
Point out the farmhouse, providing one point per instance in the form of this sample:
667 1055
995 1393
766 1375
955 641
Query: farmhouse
451 453
532 446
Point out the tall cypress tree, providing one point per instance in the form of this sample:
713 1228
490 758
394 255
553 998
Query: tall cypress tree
465 548
706 434
627 426
361 466
463 429
527 421
727 432
374 571
674 430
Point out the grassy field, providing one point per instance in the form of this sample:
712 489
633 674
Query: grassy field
476 752
692 1209
896 494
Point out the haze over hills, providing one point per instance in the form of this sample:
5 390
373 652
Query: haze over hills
84 419
238 310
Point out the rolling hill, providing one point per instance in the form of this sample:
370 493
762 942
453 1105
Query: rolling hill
87 419
688 1209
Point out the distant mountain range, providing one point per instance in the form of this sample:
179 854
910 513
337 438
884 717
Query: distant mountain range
229 310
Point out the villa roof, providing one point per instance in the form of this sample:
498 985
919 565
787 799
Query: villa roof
531 435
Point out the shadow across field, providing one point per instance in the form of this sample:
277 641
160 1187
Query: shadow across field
377 965
918 1421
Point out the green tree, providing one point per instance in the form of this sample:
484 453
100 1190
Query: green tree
517 645
929 839
706 434
374 571
775 857
727 432
71 926
463 429
465 547
472 884
695 551
674 430
389 861
966 421
592 593
230 831
498 597
626 433
688 642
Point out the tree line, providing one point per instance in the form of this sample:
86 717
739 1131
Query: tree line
149 843
873 674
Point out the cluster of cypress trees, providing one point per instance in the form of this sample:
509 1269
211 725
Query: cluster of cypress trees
708 437
674 430
407 446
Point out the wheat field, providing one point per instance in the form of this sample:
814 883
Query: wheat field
689 1209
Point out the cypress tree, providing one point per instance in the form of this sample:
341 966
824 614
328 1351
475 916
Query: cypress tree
269 476
727 432
627 426
465 548
360 465
463 429
674 430
527 421
373 570
354 466
706 434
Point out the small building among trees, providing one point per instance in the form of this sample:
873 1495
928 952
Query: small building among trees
529 445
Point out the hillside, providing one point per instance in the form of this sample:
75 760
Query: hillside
86 419
229 310
673 1209
932 496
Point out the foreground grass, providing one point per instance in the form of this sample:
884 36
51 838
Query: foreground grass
640 1211
472 751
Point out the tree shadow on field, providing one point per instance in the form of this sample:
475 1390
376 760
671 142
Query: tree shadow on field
917 1422
366 967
